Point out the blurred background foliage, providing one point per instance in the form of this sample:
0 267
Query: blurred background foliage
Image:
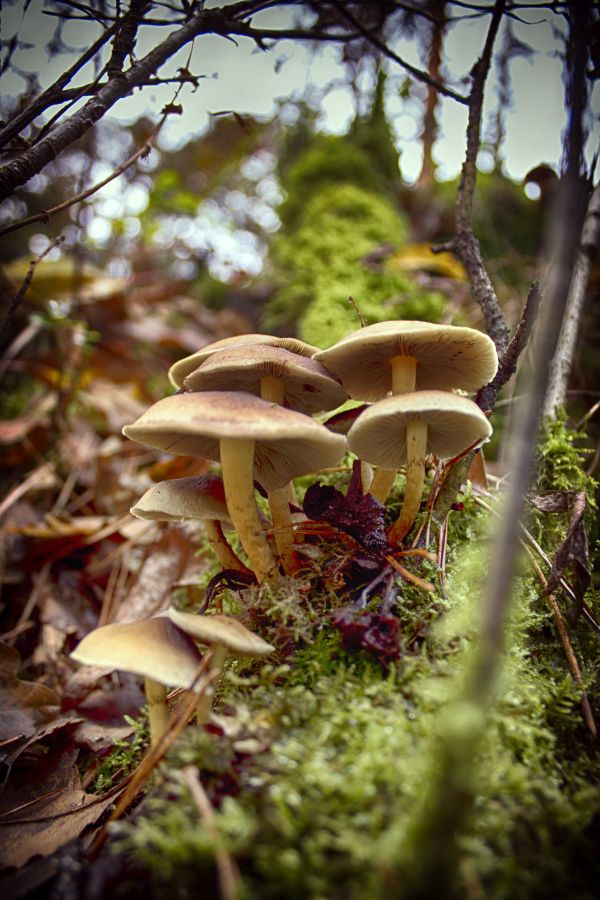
257 225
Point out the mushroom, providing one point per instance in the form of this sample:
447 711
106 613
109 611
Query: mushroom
198 497
183 367
404 356
251 438
282 377
153 648
402 429
226 636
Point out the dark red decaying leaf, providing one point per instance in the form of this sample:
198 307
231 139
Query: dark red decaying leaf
360 516
377 632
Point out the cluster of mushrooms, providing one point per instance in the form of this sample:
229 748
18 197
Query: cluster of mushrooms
248 403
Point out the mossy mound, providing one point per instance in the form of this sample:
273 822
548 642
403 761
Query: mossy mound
320 765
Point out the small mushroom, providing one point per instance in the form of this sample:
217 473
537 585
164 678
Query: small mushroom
402 429
226 636
251 438
278 376
199 497
182 368
153 648
404 356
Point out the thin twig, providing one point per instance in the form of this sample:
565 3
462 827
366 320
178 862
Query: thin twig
45 215
229 876
140 777
17 299
588 715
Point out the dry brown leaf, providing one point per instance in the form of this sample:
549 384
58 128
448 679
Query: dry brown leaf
58 811
23 704
165 564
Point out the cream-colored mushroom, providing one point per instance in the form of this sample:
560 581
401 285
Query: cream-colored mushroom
183 367
252 439
197 498
153 648
402 429
404 356
282 377
226 636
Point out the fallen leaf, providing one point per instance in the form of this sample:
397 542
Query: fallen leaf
22 703
361 516
58 811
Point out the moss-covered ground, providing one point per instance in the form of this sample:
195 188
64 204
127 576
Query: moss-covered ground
319 763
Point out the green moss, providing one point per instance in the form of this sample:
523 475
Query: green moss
326 766
336 213
326 804
124 757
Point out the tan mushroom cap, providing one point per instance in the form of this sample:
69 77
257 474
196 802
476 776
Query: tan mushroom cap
454 424
448 357
307 385
182 368
288 443
223 630
153 648
196 497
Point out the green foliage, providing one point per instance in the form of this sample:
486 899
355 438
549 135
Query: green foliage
124 757
327 807
321 262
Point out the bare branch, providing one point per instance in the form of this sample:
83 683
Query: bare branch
567 339
465 245
419 74
125 37
17 299
45 215
48 97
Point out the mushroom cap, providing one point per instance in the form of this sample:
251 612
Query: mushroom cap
183 367
308 386
448 356
223 630
288 443
454 424
154 648
197 497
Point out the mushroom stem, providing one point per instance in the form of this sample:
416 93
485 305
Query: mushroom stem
404 374
416 448
273 390
283 529
366 476
221 547
382 483
237 463
158 710
217 659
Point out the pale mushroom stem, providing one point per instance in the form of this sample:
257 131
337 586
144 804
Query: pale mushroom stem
416 448
158 710
220 546
217 659
366 476
382 483
273 390
404 375
237 464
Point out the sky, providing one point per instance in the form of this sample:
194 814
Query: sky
239 77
